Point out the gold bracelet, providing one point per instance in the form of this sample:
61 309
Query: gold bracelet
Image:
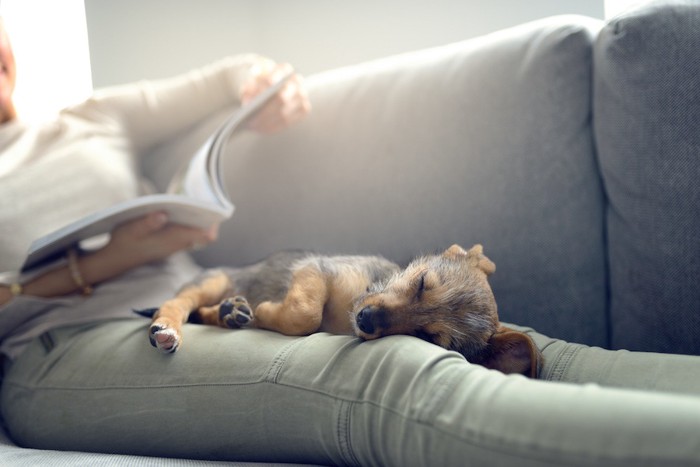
16 289
85 288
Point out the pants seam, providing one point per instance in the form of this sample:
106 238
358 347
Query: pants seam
561 364
273 372
343 433
445 387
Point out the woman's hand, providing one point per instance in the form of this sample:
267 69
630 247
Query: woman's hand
132 244
289 106
150 238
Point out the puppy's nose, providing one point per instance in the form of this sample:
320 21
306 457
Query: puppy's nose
364 320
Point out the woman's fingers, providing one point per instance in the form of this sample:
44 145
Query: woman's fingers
289 106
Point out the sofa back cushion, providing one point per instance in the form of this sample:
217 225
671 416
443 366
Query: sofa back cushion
485 141
647 125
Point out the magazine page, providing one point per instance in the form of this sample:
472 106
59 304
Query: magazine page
180 210
201 178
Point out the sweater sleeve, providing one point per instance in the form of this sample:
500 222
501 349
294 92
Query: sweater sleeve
150 112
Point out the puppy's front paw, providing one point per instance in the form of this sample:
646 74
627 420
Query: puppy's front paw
164 338
235 312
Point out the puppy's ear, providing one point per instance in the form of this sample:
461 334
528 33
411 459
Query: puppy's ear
455 251
475 254
482 262
513 352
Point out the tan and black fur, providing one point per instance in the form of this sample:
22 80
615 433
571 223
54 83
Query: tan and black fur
444 299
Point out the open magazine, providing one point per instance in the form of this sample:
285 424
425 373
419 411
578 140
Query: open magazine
196 195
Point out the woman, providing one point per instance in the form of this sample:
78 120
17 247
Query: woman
80 374
142 122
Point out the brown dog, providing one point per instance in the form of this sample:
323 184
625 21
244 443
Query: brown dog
444 299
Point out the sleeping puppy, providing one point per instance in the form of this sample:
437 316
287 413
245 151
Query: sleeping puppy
444 299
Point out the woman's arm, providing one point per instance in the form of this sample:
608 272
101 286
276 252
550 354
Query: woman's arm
132 244
153 111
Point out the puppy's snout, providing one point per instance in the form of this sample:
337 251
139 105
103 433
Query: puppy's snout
364 320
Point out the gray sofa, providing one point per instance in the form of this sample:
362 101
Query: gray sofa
568 147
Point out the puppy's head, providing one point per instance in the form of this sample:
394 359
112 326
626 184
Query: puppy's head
444 299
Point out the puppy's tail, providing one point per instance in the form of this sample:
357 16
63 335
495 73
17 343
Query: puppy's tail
146 312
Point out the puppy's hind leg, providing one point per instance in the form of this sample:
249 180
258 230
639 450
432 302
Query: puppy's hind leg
301 311
165 332
232 313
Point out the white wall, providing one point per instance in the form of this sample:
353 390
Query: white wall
134 39
616 7
50 42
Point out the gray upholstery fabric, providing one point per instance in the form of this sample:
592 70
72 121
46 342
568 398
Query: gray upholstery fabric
486 141
647 124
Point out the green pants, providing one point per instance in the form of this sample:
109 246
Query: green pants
326 399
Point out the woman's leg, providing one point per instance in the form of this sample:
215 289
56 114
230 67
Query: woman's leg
575 363
257 395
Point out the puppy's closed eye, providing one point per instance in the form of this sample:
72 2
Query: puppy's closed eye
422 284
